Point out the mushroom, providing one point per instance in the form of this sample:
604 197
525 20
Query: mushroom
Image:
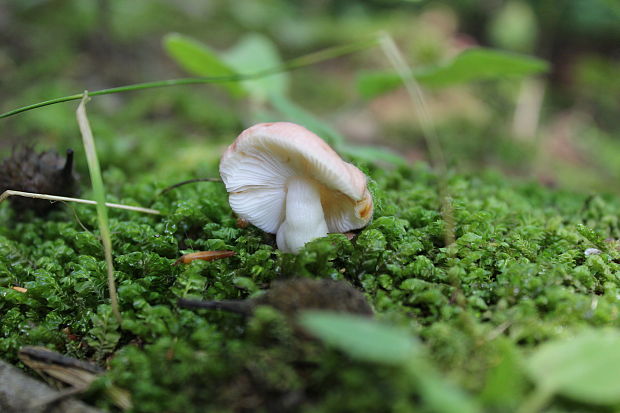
287 181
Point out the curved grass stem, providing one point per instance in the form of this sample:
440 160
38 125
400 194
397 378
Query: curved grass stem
296 63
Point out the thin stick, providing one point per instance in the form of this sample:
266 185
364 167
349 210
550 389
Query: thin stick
430 135
99 192
296 63
527 111
6 194
189 181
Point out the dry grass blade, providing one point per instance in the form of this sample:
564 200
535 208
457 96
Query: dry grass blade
204 255
56 198
99 193
295 63
395 57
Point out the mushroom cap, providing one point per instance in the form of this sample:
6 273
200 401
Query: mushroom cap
257 165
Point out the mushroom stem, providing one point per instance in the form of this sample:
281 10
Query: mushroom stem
304 219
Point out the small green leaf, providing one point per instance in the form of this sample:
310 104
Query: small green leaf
505 382
374 83
469 66
361 337
199 59
478 64
584 368
440 395
253 54
373 154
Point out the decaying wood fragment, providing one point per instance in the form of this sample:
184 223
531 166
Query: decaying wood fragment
20 393
76 374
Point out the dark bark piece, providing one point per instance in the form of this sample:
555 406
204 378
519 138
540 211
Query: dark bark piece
233 306
38 172
22 394
293 295
48 357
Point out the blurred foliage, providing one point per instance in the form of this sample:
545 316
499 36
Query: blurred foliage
348 332
109 43
580 368
469 66
514 27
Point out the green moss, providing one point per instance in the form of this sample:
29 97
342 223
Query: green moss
516 276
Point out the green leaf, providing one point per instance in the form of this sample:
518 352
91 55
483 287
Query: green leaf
361 337
374 83
199 59
505 382
255 53
584 368
478 64
469 66
439 394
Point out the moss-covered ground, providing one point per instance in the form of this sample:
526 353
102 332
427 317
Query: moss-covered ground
516 277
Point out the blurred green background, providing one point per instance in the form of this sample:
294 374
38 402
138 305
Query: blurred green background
560 128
